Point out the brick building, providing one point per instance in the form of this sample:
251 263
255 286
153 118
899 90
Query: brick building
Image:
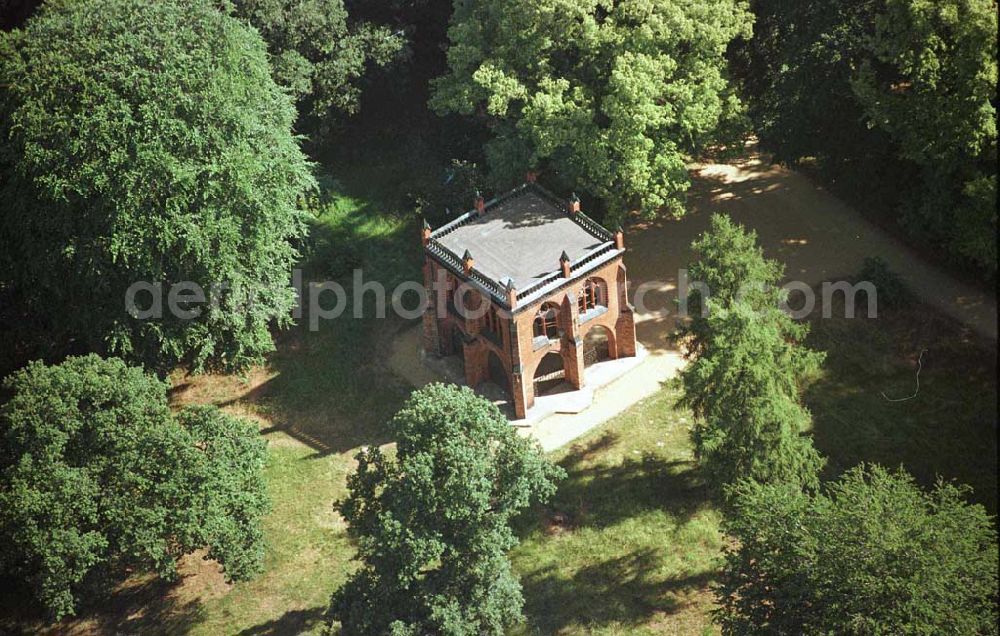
528 291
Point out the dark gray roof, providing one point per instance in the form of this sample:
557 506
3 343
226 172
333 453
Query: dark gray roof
521 236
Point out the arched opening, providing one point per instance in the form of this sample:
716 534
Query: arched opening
597 345
549 373
547 322
498 374
491 324
593 296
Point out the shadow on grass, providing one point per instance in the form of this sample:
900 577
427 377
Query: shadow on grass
292 622
142 605
947 429
603 490
623 591
600 495
330 386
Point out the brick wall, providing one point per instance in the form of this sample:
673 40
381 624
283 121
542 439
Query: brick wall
515 345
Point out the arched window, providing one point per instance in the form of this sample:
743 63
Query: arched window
594 294
546 321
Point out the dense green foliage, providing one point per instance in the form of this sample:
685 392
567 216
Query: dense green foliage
316 53
749 367
433 523
611 96
895 99
731 266
97 475
145 141
744 389
872 554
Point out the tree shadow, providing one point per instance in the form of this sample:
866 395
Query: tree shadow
292 622
329 384
602 495
143 604
624 591
866 407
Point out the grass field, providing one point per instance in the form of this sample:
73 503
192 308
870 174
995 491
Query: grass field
631 542
861 411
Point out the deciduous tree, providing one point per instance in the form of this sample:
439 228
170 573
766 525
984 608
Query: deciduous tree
872 554
894 101
433 522
612 95
97 476
931 84
317 52
145 141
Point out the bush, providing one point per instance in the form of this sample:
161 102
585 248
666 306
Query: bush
97 476
889 287
873 554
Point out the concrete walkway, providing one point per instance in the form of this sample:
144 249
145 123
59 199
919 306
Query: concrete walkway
613 398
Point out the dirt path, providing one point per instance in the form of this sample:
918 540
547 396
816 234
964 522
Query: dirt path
816 235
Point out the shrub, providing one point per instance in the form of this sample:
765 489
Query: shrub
889 287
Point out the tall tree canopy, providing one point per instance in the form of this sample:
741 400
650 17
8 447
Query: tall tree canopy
610 94
433 523
145 141
97 475
895 99
872 554
316 51
931 85
749 366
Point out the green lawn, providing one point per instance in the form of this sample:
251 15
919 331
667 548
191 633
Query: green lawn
948 430
631 542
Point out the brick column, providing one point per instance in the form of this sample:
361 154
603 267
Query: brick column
476 357
522 394
572 353
625 325
522 388
572 344
625 333
432 335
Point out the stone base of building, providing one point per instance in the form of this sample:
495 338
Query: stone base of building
410 361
